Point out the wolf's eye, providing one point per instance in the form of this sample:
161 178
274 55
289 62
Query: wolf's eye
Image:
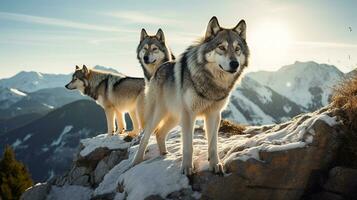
154 49
222 48
237 49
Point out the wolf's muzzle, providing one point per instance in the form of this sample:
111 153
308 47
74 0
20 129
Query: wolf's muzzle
67 86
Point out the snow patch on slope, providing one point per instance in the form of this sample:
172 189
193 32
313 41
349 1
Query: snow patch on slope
66 130
256 115
18 92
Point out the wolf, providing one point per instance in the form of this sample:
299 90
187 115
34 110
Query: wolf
116 93
197 84
153 51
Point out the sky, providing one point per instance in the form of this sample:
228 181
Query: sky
54 36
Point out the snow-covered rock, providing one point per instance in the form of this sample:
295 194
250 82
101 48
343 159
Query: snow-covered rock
273 161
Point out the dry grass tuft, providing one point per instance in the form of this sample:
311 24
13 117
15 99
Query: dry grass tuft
345 97
229 128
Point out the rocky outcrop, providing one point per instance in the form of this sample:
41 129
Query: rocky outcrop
276 175
283 161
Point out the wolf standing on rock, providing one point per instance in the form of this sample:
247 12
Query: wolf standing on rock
116 93
198 84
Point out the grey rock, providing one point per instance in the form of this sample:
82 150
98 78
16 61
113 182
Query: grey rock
77 172
36 192
83 181
115 157
99 172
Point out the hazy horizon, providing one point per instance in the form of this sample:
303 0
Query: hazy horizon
141 75
53 37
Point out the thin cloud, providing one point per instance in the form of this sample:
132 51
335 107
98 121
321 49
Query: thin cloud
144 18
58 22
325 44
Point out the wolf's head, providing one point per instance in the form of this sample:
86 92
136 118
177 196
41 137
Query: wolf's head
152 50
226 48
79 79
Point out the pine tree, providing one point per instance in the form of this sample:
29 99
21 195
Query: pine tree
14 177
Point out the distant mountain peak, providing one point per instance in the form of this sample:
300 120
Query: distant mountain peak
308 84
103 68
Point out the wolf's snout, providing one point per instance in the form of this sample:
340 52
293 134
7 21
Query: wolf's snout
146 58
66 86
234 65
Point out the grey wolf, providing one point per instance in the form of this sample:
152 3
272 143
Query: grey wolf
116 93
152 51
197 84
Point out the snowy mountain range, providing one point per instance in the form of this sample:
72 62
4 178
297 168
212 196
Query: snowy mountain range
39 117
308 84
33 81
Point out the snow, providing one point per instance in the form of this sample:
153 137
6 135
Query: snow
294 81
103 140
69 192
48 106
161 175
164 175
28 136
16 143
44 149
196 195
17 92
265 94
119 196
297 134
287 108
256 115
33 81
66 130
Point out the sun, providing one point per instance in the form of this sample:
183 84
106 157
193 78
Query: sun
269 39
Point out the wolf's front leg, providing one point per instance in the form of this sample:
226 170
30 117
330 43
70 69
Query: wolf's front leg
120 122
187 121
212 121
136 128
161 134
150 127
109 113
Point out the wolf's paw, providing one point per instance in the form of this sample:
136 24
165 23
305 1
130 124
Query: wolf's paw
187 170
164 153
120 131
128 138
217 168
133 134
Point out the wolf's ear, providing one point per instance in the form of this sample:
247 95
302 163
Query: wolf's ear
85 69
160 35
241 29
213 27
77 68
143 34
